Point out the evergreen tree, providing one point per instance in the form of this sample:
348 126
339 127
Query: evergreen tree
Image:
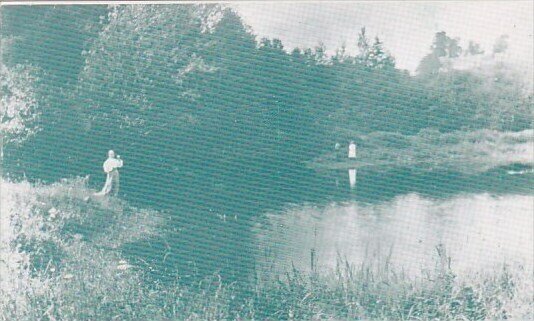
341 54
363 47
378 57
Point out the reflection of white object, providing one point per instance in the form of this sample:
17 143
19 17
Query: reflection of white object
352 150
352 177
520 172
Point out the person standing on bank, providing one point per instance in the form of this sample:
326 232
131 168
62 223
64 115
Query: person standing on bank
352 150
111 166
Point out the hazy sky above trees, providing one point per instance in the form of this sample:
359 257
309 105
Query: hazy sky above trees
406 28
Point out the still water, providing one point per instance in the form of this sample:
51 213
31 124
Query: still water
479 231
367 215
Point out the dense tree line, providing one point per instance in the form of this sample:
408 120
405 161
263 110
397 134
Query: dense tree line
179 89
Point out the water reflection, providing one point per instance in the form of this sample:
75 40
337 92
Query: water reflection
479 231
352 178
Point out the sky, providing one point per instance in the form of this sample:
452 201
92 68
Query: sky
407 28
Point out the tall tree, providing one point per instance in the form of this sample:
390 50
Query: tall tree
442 47
440 44
363 47
379 57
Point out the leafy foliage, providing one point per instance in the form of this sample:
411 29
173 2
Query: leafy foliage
18 103
196 78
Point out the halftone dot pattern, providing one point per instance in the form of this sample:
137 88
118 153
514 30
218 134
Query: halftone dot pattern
407 28
237 149
298 20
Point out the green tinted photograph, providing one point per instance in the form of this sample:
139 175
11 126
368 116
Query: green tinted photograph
267 161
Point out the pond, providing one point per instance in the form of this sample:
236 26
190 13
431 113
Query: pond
312 219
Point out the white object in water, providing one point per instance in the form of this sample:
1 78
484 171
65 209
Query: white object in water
352 150
352 177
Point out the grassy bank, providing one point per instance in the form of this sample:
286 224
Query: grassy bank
466 152
61 260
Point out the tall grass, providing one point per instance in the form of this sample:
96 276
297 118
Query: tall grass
60 261
58 253
367 292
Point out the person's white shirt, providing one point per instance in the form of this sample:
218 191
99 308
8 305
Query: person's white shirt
112 163
352 150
